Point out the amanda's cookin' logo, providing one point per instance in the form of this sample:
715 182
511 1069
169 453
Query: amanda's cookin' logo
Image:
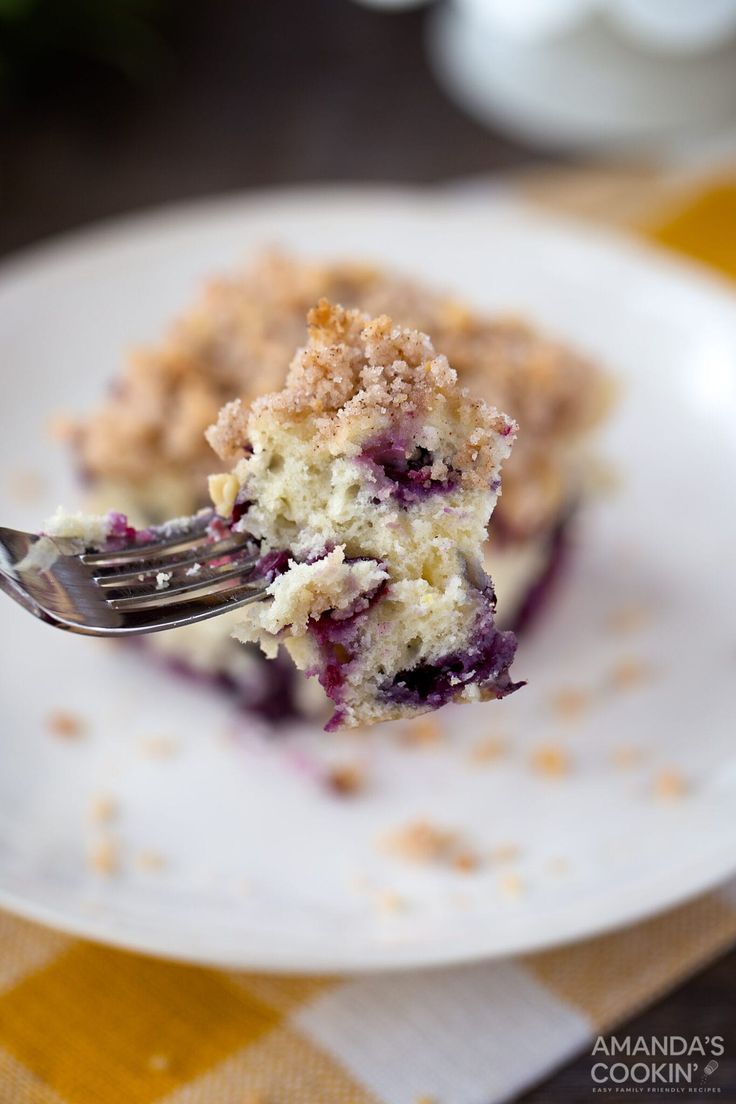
666 1064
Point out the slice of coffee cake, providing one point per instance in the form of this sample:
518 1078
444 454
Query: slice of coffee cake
377 474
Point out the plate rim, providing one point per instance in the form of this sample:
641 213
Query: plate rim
392 957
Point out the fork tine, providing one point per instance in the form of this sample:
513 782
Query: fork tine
199 586
85 594
169 539
201 553
137 621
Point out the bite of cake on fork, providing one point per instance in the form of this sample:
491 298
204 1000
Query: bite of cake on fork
371 478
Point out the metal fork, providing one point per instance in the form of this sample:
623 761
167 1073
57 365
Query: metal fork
181 575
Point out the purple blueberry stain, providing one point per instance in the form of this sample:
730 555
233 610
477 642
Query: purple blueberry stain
335 633
407 470
485 662
121 534
271 565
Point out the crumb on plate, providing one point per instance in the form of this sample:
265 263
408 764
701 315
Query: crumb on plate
570 703
66 724
488 749
504 853
628 618
670 784
346 779
158 747
102 809
150 861
422 732
511 885
630 672
388 900
423 842
626 756
103 855
466 861
551 760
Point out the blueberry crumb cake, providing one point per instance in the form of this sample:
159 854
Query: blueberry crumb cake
377 474
144 449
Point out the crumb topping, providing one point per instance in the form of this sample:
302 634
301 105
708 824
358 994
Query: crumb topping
238 338
360 371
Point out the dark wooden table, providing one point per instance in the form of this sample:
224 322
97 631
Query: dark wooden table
246 93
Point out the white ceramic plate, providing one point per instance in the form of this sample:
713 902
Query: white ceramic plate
263 868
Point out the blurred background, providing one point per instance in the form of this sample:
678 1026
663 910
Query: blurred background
110 107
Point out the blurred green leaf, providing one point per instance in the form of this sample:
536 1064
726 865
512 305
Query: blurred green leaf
16 9
38 36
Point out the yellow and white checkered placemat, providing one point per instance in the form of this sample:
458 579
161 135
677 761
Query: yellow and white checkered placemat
82 1024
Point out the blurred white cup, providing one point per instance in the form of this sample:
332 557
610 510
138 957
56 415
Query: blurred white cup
590 73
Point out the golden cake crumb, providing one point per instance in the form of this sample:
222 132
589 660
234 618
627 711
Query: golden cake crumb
426 1100
355 370
346 779
64 723
511 885
103 856
670 784
569 704
551 760
630 672
423 842
102 809
488 749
